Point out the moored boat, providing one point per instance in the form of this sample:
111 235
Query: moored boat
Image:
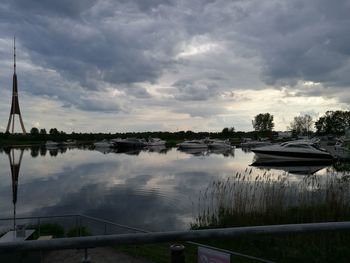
193 144
155 142
249 143
51 144
103 144
219 144
293 150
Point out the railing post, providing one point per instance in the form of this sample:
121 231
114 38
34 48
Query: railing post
86 258
177 253
39 226
79 225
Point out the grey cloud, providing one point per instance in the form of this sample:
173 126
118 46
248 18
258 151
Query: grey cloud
112 52
137 91
52 7
201 111
146 5
125 43
187 90
301 40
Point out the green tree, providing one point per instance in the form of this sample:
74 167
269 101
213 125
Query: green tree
227 131
301 125
333 122
263 122
34 131
43 131
53 131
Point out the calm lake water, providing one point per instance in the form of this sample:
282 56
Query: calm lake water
148 189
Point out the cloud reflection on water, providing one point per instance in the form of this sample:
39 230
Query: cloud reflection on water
150 190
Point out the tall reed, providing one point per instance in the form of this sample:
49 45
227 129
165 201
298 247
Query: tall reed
246 199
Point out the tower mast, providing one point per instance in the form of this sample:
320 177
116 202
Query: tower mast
15 103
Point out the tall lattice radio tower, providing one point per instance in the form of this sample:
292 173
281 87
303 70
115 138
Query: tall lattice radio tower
15 104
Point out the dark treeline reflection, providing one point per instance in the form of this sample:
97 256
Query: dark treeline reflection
35 151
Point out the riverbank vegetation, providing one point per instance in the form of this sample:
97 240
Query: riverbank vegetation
268 199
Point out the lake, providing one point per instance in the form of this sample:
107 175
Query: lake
151 189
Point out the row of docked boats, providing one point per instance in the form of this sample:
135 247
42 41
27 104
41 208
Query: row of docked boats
205 144
130 143
156 142
52 144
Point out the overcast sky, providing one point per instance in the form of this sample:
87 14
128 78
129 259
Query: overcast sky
149 65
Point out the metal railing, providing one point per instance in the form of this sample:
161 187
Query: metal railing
144 237
155 237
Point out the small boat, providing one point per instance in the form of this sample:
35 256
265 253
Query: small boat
129 143
293 150
155 142
51 144
249 143
103 144
70 142
218 144
193 144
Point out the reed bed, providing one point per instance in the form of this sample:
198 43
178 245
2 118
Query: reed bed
246 199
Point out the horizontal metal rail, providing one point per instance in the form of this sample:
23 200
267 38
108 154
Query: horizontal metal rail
189 242
144 238
102 221
38 217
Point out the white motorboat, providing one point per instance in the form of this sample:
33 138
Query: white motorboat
155 142
193 144
103 144
218 144
293 150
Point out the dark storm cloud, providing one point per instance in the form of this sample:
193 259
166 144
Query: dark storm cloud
147 5
82 47
52 7
126 43
301 40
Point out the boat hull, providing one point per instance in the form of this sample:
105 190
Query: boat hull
292 166
193 147
296 156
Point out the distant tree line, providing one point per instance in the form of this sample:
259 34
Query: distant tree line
332 122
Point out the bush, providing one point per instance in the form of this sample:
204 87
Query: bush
54 230
74 232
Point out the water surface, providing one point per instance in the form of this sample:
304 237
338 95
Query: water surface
154 190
